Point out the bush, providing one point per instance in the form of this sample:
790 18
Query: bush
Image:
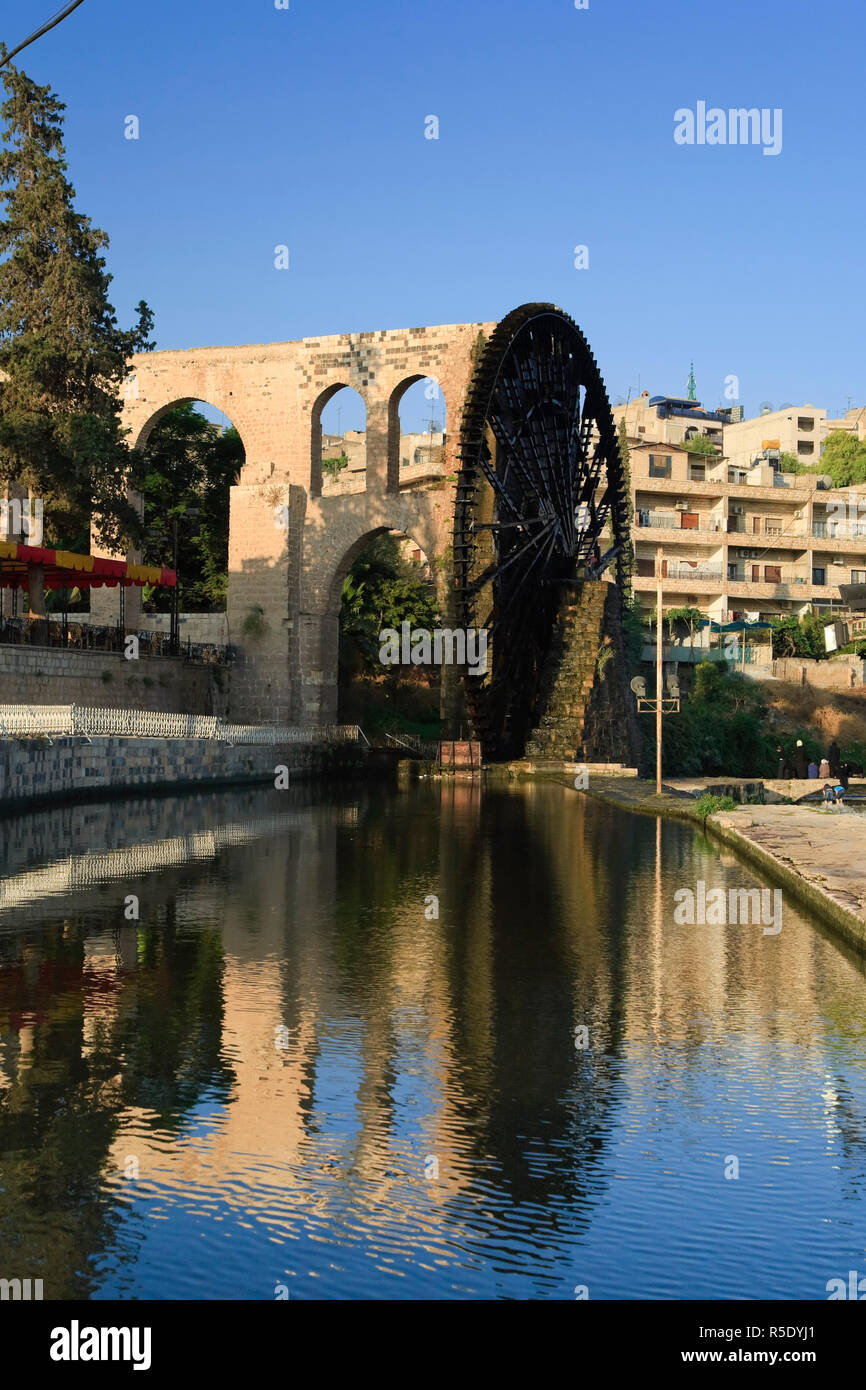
720 729
707 805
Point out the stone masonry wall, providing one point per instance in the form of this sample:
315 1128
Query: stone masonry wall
51 676
585 712
289 546
844 672
31 769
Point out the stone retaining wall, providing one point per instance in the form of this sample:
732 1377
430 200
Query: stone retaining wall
33 769
844 672
52 676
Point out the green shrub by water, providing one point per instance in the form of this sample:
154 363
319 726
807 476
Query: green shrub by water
707 805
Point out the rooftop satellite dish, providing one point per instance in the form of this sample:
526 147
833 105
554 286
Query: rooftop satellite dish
766 407
638 686
787 405
825 482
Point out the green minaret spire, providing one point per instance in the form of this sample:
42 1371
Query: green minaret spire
693 391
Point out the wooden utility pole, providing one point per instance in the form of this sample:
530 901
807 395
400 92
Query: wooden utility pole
659 554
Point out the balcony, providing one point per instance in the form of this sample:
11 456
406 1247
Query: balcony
788 575
838 530
678 569
674 520
752 524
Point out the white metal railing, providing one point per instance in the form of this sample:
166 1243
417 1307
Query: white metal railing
69 721
682 570
671 521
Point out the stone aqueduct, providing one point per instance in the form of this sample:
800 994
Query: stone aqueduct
274 395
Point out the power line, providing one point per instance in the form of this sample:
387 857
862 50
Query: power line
49 24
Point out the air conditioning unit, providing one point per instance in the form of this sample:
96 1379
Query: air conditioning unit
681 506
737 510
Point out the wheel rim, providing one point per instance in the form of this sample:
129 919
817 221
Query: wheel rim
540 480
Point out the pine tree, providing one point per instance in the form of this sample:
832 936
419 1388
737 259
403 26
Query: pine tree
63 355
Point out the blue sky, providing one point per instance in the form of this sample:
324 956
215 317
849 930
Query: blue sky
305 127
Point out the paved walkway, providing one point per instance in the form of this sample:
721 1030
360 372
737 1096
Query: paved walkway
827 849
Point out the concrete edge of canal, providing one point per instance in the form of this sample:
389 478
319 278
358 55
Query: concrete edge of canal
825 875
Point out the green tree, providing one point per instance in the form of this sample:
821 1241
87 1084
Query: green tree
844 459
188 466
332 468
62 353
381 590
720 730
700 444
789 463
793 636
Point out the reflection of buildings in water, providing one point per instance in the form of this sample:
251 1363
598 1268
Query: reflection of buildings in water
405 1036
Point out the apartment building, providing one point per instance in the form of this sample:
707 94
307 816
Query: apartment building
673 419
798 430
741 541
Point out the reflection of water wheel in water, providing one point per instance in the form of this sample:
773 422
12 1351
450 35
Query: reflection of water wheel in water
540 478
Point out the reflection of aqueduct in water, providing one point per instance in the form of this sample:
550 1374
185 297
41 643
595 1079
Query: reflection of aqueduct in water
531 486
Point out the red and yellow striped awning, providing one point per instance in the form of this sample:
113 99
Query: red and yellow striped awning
66 570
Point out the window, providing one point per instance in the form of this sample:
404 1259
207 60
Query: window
805 446
805 422
697 473
819 574
645 568
858 576
772 574
660 465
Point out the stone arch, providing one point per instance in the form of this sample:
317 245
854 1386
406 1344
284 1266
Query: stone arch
328 623
142 425
334 589
394 401
148 399
316 429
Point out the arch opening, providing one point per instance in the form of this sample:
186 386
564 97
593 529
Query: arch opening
338 457
385 594
189 456
417 433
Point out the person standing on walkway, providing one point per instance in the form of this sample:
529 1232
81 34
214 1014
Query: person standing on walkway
782 769
824 770
801 766
833 756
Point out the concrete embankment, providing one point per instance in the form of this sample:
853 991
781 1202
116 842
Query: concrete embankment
818 856
39 770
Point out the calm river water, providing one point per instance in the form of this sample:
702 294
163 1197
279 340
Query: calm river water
289 1077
